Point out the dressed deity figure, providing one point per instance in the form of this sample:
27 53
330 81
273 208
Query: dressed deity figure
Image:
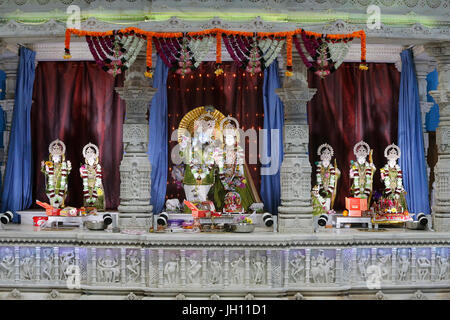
91 174
327 176
56 171
232 191
392 206
361 172
198 153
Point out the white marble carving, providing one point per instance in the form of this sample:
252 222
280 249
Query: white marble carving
47 264
215 268
297 267
258 269
66 261
7 264
193 268
322 268
27 264
171 269
442 264
237 269
108 269
363 261
423 265
133 265
403 261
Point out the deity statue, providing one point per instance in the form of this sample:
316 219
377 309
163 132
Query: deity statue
392 208
327 176
56 171
361 172
198 153
214 161
230 159
91 173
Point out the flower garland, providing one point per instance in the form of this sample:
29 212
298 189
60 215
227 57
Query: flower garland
254 65
271 49
367 188
338 51
232 176
184 62
330 170
200 48
242 40
91 197
387 181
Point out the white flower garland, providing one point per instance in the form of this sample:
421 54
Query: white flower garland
338 51
91 199
133 52
332 172
200 48
387 180
356 178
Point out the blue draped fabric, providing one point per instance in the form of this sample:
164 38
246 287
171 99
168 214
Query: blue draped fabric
17 192
410 138
2 84
432 116
158 148
273 119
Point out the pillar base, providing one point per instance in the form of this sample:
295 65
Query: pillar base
136 221
441 222
290 222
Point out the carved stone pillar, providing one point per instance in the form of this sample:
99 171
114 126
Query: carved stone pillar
441 208
135 211
295 210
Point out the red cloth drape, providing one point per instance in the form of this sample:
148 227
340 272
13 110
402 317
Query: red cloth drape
76 102
235 93
352 105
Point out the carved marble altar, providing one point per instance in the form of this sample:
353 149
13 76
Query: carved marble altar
85 264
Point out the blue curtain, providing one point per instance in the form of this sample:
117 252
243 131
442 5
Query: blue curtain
2 84
432 117
273 119
158 137
17 192
410 138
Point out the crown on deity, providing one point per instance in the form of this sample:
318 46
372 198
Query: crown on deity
229 126
361 149
392 152
90 151
57 148
325 151
205 122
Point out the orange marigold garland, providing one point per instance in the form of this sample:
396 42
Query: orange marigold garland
219 69
67 45
289 72
149 73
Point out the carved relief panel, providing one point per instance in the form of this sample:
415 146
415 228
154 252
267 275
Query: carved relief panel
27 263
108 266
323 266
297 266
7 262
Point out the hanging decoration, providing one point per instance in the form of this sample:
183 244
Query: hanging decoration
116 50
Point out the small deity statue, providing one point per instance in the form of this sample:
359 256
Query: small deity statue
327 176
91 173
392 207
233 188
361 172
56 171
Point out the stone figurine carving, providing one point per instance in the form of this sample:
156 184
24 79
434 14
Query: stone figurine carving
322 268
297 266
56 171
327 175
66 260
171 269
7 264
361 172
47 264
363 262
215 268
193 268
91 174
423 265
259 269
108 268
403 262
237 269
133 265
383 257
27 265
443 264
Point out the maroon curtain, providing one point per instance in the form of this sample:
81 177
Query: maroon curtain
76 102
352 105
236 93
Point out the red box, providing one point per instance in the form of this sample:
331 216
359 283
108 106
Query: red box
355 206
197 213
